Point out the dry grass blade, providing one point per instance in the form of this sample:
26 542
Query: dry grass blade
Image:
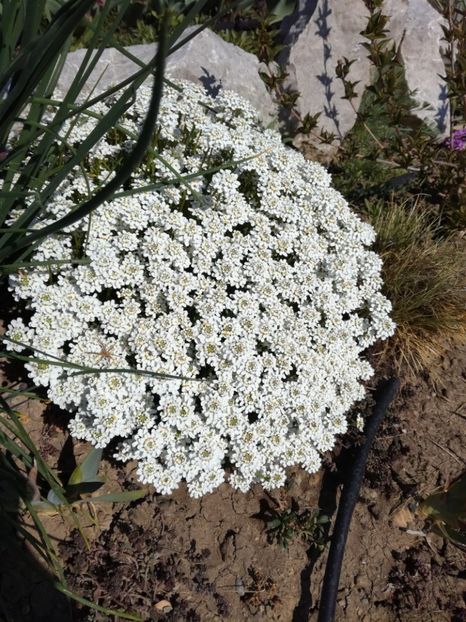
425 279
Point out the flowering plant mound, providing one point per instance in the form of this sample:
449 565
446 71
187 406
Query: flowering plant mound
251 282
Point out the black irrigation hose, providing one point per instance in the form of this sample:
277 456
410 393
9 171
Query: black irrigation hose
385 393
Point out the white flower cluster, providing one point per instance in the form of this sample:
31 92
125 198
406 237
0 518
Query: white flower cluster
253 282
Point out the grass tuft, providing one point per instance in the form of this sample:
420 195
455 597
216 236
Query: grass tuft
425 279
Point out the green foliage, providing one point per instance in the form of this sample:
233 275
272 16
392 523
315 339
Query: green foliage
389 149
143 31
84 481
34 160
51 7
43 358
256 29
388 84
446 511
279 9
284 525
455 52
385 124
24 475
29 76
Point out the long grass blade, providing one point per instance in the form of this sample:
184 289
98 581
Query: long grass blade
91 605
82 369
36 59
121 175
120 497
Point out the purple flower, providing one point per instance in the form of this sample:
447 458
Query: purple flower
457 140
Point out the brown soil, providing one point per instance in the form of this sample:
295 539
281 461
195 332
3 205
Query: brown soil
212 559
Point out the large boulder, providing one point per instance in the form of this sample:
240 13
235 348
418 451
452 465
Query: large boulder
421 55
315 46
320 32
206 59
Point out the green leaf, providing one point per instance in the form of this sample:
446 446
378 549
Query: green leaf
117 613
22 434
81 369
121 175
51 7
36 59
121 497
74 491
280 9
448 507
87 470
456 536
46 542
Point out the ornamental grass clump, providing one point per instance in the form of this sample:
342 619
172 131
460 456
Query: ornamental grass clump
424 276
229 262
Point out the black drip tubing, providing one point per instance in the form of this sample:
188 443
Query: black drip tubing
384 394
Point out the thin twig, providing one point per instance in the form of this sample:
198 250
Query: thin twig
458 414
280 93
366 127
447 451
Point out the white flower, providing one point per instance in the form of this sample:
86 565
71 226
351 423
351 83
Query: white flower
359 422
252 283
18 332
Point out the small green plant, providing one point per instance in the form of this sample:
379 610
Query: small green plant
29 487
446 511
385 123
389 148
284 525
82 483
256 30
454 31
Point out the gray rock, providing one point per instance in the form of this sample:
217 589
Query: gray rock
320 32
293 25
332 31
420 51
206 59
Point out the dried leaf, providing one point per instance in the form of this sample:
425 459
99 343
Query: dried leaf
402 518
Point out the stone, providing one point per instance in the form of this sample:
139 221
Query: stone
217 64
206 59
293 25
321 32
331 32
421 54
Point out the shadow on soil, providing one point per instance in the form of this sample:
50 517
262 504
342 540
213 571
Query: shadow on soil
27 592
328 506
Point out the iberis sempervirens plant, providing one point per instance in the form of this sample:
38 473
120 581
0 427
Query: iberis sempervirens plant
230 262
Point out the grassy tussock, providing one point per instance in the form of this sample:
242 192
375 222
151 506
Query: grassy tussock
425 279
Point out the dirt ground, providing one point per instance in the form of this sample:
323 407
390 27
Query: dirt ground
212 559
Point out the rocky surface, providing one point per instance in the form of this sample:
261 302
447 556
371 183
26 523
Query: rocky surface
322 31
420 51
217 64
317 35
206 59
331 32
